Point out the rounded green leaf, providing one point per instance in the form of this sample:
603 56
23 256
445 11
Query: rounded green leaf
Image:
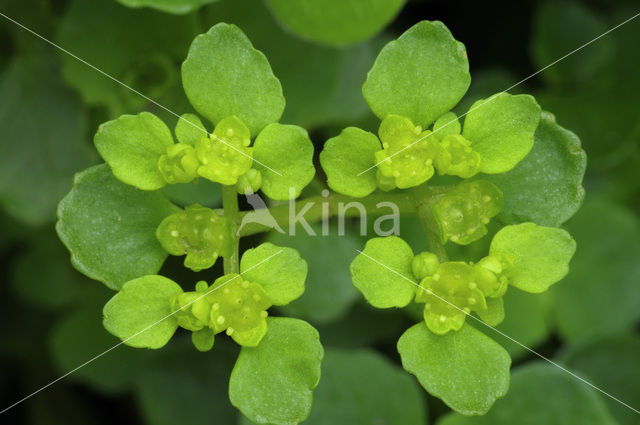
446 124
109 227
347 155
203 339
546 186
287 150
132 146
382 272
189 129
605 270
466 369
335 22
542 394
273 383
421 75
279 270
224 75
540 254
332 97
494 314
501 130
140 314
363 387
169 6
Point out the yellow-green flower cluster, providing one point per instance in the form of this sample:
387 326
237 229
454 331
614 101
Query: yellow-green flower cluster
454 289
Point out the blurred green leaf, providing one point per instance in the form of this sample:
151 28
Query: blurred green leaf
110 227
364 326
421 75
138 47
465 368
273 382
524 321
288 151
328 293
78 337
201 191
335 22
542 394
382 272
180 385
600 294
170 6
218 88
559 27
53 284
540 254
43 140
546 186
605 121
611 363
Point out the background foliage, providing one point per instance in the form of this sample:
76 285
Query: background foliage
51 104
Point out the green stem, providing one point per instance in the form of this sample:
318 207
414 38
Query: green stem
426 197
230 205
320 206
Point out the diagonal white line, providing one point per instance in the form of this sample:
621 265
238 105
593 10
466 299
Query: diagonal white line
132 336
133 90
502 333
505 90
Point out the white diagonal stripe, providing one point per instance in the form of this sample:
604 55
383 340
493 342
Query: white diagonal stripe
132 336
506 90
502 333
133 90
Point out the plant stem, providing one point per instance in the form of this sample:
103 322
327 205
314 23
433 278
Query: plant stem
231 211
317 206
426 197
